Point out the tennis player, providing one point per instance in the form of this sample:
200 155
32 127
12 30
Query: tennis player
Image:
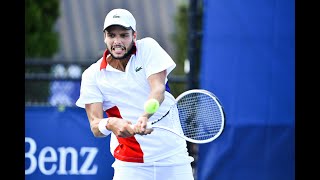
130 72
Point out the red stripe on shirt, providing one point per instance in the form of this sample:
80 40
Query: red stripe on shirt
129 149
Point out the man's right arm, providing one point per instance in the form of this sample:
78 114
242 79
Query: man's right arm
120 127
95 115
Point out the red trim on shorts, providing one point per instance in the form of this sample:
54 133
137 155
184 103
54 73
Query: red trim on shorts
129 149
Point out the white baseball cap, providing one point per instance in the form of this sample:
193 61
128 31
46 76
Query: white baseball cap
120 17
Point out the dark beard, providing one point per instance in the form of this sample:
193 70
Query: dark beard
133 47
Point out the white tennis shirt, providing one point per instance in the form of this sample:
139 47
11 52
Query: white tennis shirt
123 95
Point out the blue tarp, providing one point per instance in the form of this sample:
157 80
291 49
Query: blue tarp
248 61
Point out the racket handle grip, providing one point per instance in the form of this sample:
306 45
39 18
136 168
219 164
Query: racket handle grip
149 125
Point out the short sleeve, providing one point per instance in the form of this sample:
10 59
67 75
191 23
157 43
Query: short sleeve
155 58
89 90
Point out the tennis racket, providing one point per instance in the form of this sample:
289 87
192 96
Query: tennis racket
201 115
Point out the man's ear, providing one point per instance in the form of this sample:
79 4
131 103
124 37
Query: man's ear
104 36
135 36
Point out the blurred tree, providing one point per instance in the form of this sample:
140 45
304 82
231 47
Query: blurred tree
40 38
180 39
41 41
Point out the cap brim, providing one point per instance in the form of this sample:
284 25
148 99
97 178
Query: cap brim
118 25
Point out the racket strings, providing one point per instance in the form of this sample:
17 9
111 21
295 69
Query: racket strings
200 116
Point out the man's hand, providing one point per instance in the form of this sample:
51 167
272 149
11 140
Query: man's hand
120 127
141 126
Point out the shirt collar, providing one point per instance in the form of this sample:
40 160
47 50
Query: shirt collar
104 62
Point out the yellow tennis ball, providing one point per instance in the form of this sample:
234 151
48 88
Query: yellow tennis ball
151 106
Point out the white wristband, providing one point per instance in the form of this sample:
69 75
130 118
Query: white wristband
102 127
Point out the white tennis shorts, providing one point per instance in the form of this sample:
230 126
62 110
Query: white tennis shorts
177 172
166 169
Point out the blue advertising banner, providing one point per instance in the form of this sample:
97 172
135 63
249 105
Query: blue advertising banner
59 145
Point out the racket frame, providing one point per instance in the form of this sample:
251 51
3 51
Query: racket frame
152 124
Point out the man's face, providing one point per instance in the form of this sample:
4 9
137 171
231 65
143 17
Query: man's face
119 41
